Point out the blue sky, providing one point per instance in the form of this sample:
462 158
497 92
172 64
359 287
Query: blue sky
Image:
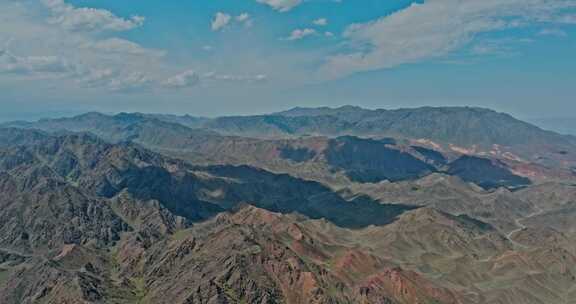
221 57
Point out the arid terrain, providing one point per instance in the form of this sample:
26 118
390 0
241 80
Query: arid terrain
450 205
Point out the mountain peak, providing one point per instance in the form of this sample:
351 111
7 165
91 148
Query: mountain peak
305 111
88 115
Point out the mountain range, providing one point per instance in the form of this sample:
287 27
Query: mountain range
324 205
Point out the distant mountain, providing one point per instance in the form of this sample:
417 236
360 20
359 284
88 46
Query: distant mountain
153 130
186 120
462 126
356 159
473 130
351 113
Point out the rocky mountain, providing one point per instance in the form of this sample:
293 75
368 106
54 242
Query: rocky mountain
195 192
143 208
335 161
85 221
461 129
463 126
153 130
449 131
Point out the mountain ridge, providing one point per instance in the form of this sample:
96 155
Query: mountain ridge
94 219
536 156
442 124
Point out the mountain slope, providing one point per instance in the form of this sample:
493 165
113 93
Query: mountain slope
195 192
84 220
93 222
473 130
351 158
462 126
461 130
152 130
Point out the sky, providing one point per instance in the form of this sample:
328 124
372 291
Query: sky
227 57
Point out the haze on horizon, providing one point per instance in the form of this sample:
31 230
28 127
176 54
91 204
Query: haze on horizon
214 58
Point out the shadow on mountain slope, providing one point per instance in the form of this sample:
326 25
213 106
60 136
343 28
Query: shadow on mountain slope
104 170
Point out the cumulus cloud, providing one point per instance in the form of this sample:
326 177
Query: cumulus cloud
39 48
321 22
223 20
111 79
88 19
242 17
85 75
32 65
95 78
235 78
281 5
183 80
245 19
191 78
435 28
220 21
135 81
298 34
123 46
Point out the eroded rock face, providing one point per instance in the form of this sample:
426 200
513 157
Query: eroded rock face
254 256
41 213
251 256
404 287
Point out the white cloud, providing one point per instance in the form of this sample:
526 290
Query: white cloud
552 32
37 49
135 81
321 22
33 47
32 65
235 78
96 78
191 78
119 45
435 28
497 47
220 21
242 17
88 19
281 5
45 67
183 80
245 19
301 34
